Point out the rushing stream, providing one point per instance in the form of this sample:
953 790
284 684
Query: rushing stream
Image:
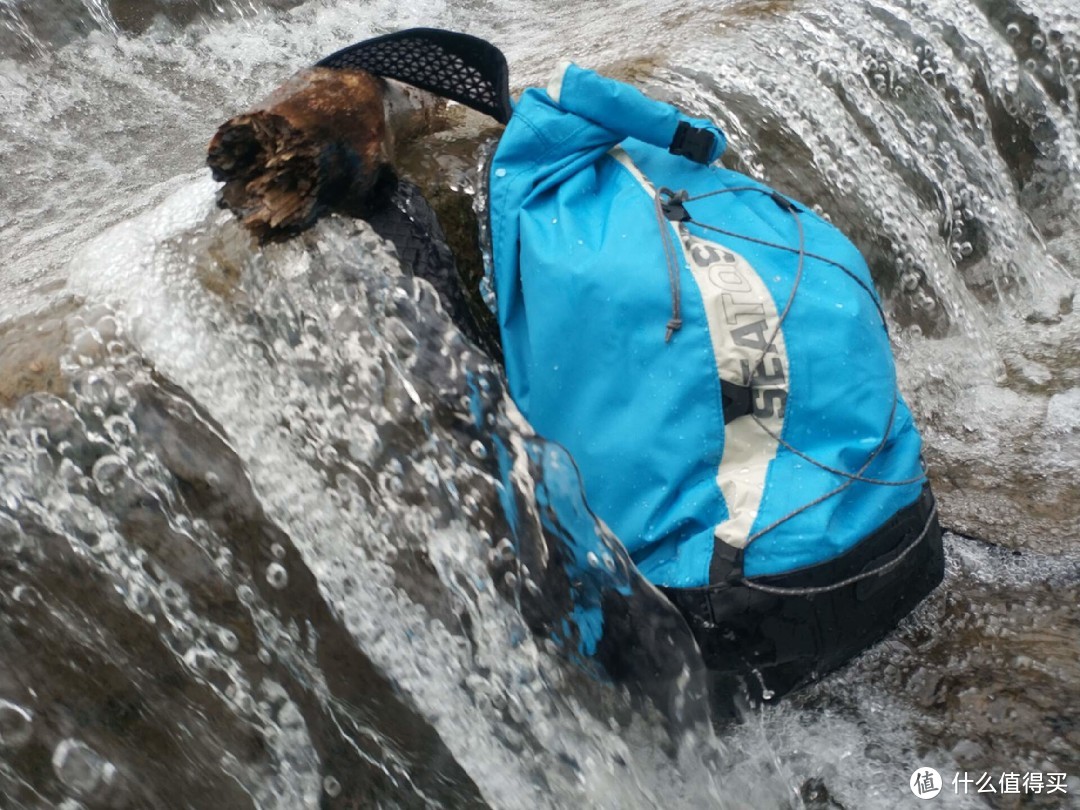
253 543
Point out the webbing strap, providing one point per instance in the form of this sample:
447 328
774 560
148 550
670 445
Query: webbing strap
456 66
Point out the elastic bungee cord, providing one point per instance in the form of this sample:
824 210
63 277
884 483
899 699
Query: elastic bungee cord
884 568
682 197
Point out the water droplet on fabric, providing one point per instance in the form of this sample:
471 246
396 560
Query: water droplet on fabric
500 172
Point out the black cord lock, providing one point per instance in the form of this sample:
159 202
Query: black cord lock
671 203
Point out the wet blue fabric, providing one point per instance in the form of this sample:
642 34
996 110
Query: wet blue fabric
583 299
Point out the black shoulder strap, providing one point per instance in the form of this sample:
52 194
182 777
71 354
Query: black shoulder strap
456 66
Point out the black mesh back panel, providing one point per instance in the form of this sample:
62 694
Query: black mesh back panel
455 66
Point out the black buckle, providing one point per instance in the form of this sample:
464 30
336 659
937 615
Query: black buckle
693 143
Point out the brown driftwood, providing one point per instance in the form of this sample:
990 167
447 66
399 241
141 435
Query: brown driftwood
317 144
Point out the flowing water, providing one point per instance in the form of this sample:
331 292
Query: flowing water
253 544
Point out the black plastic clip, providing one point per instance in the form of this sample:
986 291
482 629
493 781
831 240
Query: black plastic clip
738 400
726 566
693 143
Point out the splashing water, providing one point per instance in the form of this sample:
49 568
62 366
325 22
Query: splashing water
254 548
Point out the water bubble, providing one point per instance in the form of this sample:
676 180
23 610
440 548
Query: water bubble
11 533
277 576
431 476
26 595
16 725
478 449
172 593
265 657
393 484
107 327
229 640
504 550
246 595
120 429
199 658
87 345
592 559
108 471
140 599
332 787
1029 64
1038 42
278 551
80 768
1012 30
104 542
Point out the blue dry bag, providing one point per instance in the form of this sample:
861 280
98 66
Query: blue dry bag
712 353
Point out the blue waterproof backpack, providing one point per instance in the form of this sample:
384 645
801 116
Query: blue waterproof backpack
712 353
714 357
